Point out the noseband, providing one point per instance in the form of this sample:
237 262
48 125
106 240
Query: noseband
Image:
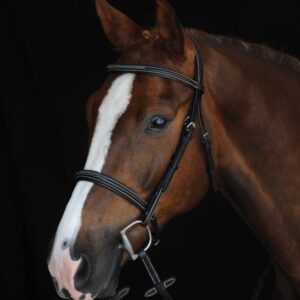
148 207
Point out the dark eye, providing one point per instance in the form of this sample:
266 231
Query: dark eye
158 123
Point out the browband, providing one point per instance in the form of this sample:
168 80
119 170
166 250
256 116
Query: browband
156 71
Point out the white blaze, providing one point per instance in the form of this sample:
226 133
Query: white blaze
111 109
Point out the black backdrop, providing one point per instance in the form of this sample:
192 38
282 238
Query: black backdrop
53 58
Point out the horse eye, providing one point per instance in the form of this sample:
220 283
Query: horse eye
158 123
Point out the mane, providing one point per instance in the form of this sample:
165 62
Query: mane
258 50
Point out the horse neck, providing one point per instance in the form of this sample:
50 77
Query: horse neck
253 132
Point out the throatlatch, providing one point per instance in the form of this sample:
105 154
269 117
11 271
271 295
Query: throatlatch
148 207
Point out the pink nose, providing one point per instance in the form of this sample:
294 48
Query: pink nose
64 269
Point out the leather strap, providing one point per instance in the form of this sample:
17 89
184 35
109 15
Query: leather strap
156 71
123 191
114 186
186 135
160 287
210 167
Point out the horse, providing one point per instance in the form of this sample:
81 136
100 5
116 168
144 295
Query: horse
250 107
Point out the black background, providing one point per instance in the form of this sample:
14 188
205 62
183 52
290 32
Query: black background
53 57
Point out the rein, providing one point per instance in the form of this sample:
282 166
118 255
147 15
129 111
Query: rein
147 208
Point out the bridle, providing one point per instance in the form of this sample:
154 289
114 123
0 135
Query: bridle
148 207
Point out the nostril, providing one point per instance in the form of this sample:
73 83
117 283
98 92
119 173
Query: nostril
63 293
66 294
83 273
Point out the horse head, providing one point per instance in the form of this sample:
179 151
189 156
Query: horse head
135 122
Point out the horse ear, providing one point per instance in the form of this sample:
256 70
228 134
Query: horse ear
119 29
169 26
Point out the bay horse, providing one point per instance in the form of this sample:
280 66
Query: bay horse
251 109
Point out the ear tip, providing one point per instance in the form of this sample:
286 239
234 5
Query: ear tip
104 9
101 4
163 3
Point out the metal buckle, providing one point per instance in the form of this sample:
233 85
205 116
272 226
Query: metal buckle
191 124
205 138
126 242
188 124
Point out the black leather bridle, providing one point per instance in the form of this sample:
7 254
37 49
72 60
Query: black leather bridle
148 207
